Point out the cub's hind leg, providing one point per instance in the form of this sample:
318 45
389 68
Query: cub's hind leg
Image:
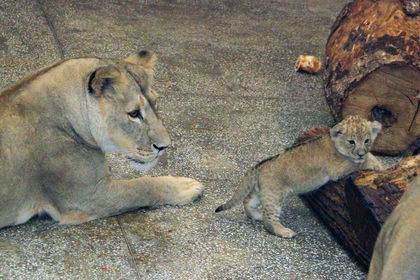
271 209
252 205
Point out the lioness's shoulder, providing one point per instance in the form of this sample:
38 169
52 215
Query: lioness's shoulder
9 91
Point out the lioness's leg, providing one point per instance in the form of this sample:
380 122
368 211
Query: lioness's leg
152 191
122 195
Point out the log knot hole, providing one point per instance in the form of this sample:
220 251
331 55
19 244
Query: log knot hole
383 115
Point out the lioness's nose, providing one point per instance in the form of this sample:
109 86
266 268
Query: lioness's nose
161 148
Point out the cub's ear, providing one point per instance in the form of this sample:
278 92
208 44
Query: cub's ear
336 131
375 127
103 80
146 59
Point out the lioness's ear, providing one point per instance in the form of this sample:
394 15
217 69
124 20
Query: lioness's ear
336 131
153 95
375 127
103 79
144 58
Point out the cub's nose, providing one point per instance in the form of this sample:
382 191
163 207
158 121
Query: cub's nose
361 156
160 148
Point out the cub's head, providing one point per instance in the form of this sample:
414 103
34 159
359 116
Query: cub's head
354 136
121 109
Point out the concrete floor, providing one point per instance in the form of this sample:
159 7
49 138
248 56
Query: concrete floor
229 97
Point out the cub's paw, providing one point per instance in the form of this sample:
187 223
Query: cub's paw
378 167
280 230
373 163
285 232
186 190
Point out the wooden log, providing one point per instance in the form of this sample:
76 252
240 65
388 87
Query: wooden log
330 205
355 207
372 68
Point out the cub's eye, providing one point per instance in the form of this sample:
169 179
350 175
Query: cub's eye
367 141
351 142
135 114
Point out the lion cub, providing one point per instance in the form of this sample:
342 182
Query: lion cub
305 167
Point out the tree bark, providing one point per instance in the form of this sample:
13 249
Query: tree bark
372 68
355 207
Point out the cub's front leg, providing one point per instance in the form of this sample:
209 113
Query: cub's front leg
372 163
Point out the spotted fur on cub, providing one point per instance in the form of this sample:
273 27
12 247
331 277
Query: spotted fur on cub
304 167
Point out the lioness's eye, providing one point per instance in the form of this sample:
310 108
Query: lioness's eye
367 141
135 114
351 142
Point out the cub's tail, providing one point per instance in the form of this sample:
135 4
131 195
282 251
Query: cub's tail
247 184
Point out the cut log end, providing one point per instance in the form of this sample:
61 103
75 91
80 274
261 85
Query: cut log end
373 63
389 95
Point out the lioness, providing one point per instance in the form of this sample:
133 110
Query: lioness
55 128
397 248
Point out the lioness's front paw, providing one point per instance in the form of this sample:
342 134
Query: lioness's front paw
186 190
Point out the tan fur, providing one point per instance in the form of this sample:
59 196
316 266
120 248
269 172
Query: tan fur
55 128
310 134
305 167
397 248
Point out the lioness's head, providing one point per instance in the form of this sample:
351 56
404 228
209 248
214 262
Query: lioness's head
354 136
123 115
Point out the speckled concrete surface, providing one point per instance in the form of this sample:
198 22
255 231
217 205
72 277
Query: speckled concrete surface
230 98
